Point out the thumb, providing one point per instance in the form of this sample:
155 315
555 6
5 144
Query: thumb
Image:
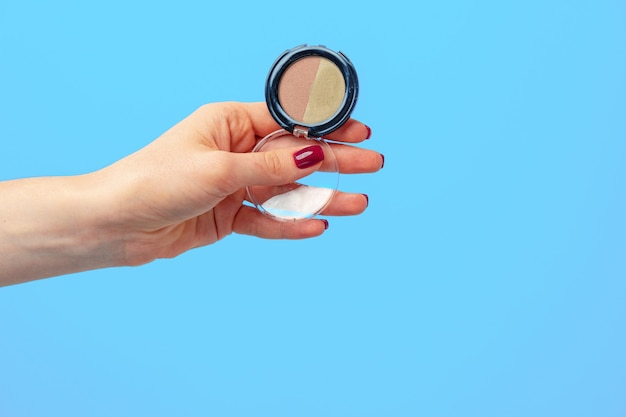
276 167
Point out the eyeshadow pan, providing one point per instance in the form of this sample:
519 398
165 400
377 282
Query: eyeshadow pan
311 90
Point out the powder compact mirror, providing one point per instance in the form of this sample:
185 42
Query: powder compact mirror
311 92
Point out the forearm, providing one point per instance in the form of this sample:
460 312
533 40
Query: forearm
54 226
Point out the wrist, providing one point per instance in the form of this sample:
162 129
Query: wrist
97 240
55 226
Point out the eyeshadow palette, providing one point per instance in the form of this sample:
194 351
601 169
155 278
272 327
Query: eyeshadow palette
311 92
312 88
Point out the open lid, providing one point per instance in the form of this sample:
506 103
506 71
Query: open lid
311 90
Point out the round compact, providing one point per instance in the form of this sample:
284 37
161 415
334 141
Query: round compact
310 92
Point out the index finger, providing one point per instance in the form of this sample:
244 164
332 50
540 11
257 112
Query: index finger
353 131
260 118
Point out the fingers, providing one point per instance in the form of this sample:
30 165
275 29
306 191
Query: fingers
228 126
274 167
342 203
352 131
260 118
263 124
289 158
286 165
237 127
249 221
346 204
354 160
350 160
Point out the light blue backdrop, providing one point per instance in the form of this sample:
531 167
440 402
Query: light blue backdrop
487 278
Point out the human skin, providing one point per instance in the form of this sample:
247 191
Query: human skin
184 190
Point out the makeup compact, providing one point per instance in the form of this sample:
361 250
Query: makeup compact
310 92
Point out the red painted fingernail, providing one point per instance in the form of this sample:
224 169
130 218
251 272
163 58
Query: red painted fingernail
369 132
367 200
325 224
382 156
308 156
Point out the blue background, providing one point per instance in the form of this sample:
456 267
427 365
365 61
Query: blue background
486 278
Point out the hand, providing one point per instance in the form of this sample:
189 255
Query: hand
187 188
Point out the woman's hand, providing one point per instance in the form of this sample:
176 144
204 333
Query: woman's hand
186 189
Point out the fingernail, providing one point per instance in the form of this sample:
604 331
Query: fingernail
367 200
382 156
369 132
325 224
308 156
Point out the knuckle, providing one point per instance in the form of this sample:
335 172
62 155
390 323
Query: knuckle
273 164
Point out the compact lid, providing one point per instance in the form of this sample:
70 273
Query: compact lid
311 90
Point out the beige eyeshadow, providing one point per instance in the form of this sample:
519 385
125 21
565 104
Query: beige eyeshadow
327 93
